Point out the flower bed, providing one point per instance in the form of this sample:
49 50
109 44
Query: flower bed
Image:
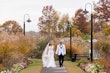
92 68
17 67
5 71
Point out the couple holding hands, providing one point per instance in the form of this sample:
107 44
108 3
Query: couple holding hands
48 54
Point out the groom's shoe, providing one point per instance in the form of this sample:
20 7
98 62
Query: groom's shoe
60 64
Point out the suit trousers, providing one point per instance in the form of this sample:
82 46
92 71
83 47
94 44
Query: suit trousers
61 59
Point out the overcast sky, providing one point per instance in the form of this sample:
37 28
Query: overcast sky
16 9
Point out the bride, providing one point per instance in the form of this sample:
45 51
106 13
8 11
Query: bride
48 56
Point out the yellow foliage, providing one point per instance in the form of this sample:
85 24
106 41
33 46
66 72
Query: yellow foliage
107 30
76 31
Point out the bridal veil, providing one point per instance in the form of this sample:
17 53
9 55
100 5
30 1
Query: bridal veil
44 54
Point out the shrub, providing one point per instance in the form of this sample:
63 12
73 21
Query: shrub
12 58
41 44
86 36
103 45
81 62
14 47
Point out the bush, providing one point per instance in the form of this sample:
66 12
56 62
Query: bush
103 45
12 58
41 44
81 62
67 58
86 36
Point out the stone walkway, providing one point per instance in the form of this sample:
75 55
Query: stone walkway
54 70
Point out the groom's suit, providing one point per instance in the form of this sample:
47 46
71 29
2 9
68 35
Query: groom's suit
61 51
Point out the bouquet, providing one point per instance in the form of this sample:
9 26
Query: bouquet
46 56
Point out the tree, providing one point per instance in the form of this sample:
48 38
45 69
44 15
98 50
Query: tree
48 20
102 11
80 20
63 24
76 32
12 26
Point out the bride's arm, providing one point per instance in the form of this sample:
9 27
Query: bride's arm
53 47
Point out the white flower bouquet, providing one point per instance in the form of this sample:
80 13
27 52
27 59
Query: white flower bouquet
46 56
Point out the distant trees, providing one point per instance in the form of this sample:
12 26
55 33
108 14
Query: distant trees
80 20
11 26
101 14
52 22
63 25
102 10
48 20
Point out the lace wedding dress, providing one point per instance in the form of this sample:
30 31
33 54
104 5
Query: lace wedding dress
48 57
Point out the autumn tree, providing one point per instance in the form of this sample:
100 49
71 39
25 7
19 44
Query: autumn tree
102 12
12 26
63 24
48 20
76 32
80 20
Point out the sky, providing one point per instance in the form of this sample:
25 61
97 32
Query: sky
16 9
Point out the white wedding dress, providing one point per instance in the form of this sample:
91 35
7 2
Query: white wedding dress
48 58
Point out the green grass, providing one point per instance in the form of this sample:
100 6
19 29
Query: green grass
35 62
34 67
72 67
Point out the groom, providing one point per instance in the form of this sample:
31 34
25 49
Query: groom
61 52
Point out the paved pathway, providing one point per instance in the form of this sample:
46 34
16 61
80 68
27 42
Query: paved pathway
54 70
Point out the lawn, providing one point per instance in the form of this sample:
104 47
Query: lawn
72 67
35 67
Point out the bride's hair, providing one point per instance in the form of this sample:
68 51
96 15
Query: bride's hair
50 44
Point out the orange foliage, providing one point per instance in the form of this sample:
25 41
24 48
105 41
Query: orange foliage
1 67
75 49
